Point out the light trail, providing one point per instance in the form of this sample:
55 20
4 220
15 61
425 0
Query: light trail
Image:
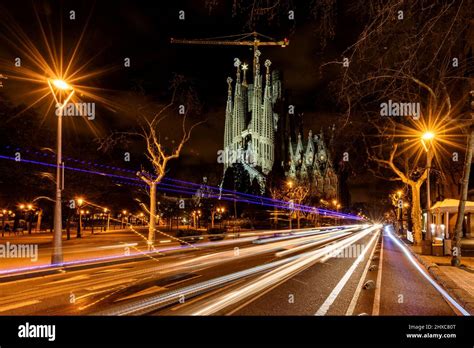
423 272
132 255
281 273
217 194
342 283
162 300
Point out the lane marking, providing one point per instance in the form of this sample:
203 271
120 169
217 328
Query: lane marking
424 273
77 277
378 284
335 292
110 284
355 298
18 305
202 297
147 291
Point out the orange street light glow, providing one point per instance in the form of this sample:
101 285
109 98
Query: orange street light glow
428 135
61 84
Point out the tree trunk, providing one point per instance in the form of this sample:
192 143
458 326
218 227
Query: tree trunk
151 228
416 214
38 222
456 260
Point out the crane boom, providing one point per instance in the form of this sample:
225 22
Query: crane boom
255 43
237 41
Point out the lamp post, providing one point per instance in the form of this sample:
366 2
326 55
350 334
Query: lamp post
221 211
79 202
124 219
106 211
61 88
427 140
335 204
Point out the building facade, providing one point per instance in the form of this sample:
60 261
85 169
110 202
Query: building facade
251 132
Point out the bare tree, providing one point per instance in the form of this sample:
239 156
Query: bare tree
415 186
159 156
295 193
456 260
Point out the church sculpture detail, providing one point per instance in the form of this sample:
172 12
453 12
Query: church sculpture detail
250 133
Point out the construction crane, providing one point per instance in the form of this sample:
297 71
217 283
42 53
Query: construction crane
237 40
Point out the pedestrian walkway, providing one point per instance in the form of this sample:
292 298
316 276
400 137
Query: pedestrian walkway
33 252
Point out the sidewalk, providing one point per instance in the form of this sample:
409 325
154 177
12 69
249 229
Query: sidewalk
457 281
33 252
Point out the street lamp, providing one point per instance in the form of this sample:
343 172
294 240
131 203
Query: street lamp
124 218
427 140
80 202
59 88
106 211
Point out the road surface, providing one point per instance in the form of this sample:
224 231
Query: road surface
344 270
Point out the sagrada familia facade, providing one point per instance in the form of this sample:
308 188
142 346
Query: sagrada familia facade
257 135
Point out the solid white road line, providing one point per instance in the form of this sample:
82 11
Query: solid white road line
335 292
378 284
425 274
350 309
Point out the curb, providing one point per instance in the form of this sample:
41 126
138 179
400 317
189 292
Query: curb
461 296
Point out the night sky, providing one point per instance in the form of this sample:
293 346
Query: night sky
142 32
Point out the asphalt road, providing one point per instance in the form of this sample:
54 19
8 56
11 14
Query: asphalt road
311 272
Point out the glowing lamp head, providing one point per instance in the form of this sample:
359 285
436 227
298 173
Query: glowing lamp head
426 140
428 136
61 84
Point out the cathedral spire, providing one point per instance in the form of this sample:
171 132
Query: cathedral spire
256 64
237 64
238 113
267 65
244 72
228 122
229 94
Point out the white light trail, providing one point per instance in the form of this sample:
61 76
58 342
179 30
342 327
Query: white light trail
340 285
298 263
425 274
